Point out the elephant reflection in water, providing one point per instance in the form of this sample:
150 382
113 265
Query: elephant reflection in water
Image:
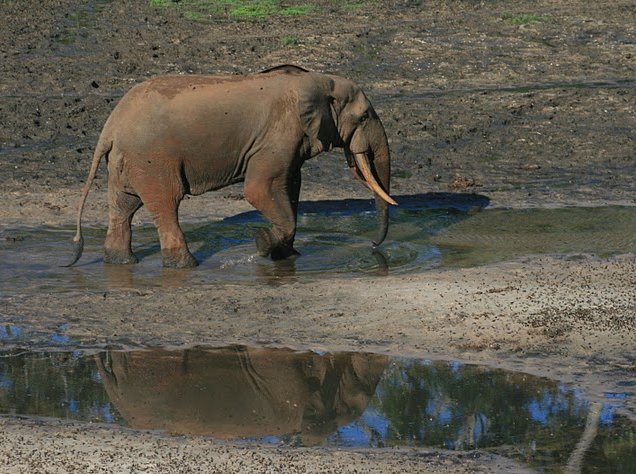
241 392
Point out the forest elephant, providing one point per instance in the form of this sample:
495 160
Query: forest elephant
173 136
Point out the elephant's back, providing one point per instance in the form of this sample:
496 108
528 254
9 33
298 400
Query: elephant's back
151 99
168 87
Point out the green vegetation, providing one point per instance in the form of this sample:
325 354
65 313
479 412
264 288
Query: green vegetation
401 174
297 10
352 5
200 10
251 9
54 384
489 158
195 16
525 18
290 40
161 3
463 407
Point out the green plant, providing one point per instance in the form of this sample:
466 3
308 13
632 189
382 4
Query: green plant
290 41
402 174
265 8
254 9
351 5
161 3
198 10
297 10
195 16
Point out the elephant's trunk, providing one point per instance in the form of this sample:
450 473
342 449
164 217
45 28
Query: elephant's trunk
382 168
383 220
373 170
369 160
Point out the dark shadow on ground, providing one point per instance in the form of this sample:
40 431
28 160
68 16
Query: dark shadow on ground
463 202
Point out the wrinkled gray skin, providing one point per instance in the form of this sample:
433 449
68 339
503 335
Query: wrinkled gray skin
178 135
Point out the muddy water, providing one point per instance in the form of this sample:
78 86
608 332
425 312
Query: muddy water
337 399
331 243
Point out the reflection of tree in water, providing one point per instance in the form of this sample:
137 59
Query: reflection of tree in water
462 407
53 384
615 444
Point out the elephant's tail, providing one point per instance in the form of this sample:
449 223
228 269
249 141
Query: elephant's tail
103 147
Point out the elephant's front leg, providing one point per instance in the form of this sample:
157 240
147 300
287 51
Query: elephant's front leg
276 196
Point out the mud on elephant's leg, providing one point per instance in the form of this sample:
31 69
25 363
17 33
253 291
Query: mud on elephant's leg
121 208
277 199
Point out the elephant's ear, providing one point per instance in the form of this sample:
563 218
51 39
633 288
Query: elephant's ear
317 114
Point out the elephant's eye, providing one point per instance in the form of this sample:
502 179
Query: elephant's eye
364 117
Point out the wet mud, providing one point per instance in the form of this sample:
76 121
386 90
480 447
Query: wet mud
512 130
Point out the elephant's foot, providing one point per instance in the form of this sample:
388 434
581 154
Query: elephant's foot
119 257
268 245
179 259
282 253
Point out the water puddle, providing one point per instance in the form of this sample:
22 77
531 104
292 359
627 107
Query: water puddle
498 235
422 237
307 398
15 335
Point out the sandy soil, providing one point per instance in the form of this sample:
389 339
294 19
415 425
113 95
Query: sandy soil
537 114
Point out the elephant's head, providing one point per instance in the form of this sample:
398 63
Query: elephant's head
335 113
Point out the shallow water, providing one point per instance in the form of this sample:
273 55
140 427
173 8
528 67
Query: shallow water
424 234
309 398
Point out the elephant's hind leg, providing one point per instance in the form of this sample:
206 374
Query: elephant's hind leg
157 181
121 208
164 208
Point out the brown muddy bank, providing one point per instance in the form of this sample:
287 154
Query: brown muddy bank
529 113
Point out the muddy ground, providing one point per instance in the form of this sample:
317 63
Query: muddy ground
529 104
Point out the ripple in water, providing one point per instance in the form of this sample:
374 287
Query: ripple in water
333 244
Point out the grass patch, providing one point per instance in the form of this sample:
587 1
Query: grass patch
297 10
351 5
161 3
200 10
404 174
194 16
489 158
525 18
290 40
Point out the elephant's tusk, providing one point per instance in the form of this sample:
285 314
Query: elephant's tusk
356 174
363 165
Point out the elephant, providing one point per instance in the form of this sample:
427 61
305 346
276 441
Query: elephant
179 135
239 391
